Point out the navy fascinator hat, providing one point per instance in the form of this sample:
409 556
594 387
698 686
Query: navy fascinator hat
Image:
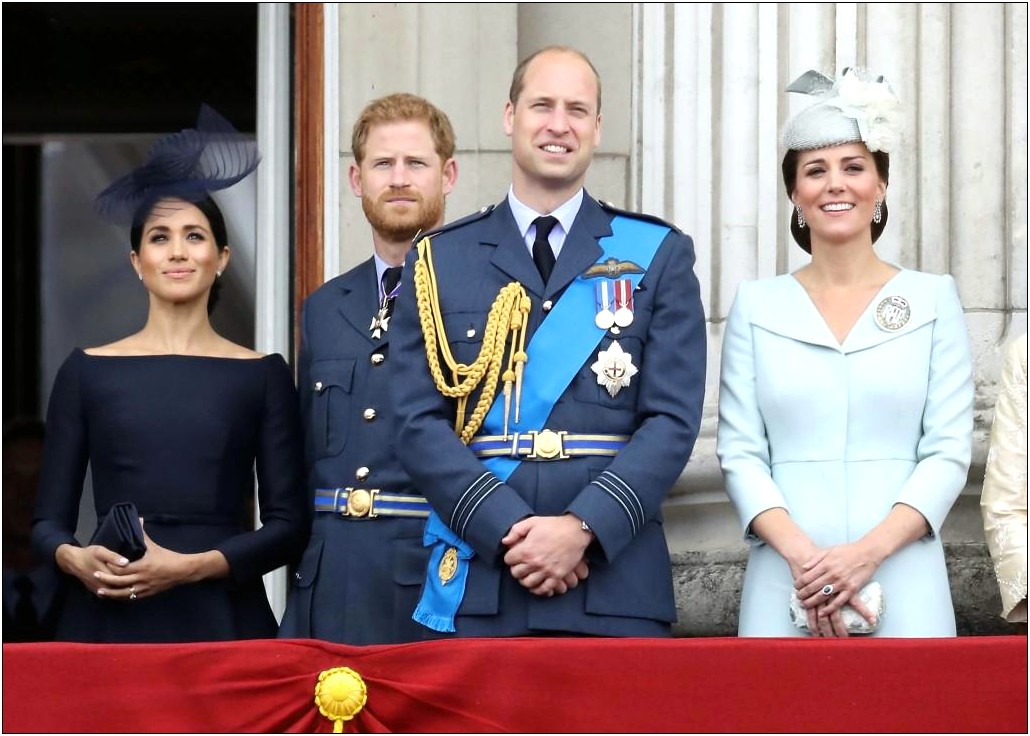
187 165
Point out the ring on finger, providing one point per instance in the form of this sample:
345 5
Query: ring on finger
827 589
132 593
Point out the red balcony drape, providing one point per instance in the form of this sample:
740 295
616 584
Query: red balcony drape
967 684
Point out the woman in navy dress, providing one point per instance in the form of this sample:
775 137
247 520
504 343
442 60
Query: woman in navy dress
176 419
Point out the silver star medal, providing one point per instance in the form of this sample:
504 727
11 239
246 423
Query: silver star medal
892 313
614 368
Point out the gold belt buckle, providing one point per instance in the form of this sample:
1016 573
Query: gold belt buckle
361 502
547 445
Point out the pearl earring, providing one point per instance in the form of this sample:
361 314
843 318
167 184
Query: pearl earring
140 276
218 274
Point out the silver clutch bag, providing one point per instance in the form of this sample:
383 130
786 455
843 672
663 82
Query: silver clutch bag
871 595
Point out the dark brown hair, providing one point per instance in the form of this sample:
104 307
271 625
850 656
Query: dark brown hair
214 218
802 235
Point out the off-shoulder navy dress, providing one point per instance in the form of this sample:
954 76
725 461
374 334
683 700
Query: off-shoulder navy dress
181 437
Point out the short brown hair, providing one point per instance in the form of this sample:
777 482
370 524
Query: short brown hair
401 107
519 76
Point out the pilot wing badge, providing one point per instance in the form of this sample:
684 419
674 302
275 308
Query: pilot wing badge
611 268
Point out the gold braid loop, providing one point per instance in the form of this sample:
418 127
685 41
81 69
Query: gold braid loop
508 314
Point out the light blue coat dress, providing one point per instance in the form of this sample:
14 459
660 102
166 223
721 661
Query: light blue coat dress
837 433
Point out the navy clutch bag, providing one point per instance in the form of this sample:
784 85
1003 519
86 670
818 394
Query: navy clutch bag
121 532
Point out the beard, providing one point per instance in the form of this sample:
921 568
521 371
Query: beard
424 215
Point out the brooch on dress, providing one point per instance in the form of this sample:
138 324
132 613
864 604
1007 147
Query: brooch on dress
892 313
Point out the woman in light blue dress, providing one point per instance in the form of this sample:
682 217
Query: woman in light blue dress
845 408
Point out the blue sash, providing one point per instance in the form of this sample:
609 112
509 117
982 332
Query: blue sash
563 342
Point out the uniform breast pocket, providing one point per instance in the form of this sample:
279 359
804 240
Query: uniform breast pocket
620 362
331 409
464 335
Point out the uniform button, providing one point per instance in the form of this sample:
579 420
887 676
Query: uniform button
369 414
318 385
362 473
378 358
546 306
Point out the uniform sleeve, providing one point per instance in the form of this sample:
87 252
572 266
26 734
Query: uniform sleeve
1003 502
630 491
282 500
306 395
945 447
742 444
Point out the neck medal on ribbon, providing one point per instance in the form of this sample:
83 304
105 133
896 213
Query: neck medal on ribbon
381 320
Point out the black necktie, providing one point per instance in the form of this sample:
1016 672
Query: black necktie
543 256
391 277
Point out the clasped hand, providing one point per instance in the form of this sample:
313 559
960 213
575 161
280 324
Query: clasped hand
847 568
108 575
545 553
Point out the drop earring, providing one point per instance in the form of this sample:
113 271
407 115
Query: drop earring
878 212
801 216
140 276
218 274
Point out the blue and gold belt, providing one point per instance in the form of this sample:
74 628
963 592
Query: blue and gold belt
547 445
368 503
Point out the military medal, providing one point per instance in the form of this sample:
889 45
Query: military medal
614 368
623 302
892 313
603 297
381 320
448 565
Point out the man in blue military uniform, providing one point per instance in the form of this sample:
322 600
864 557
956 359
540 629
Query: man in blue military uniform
359 578
549 384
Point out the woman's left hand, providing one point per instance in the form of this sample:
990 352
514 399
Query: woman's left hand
158 570
833 579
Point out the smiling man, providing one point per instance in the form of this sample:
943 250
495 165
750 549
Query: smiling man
359 579
549 381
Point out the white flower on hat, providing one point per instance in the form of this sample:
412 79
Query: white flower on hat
873 106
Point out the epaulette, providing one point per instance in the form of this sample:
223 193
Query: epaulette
609 207
483 212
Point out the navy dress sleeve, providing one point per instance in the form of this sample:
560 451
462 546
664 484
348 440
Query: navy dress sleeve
65 457
281 496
